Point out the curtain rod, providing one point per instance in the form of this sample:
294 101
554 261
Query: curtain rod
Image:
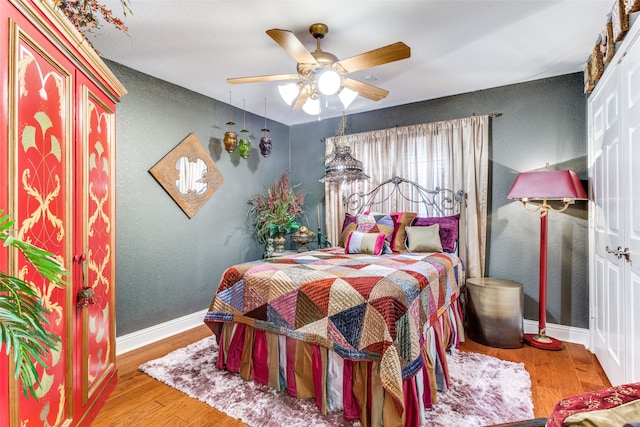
492 115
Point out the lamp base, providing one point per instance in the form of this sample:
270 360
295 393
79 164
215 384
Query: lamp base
543 342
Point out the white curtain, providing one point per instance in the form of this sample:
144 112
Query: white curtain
451 154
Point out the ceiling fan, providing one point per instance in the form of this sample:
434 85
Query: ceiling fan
322 73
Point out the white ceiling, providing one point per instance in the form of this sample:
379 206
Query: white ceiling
456 46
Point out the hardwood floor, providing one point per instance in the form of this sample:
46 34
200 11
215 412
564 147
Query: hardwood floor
554 374
139 400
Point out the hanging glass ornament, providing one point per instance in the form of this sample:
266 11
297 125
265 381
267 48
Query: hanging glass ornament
244 145
265 143
230 139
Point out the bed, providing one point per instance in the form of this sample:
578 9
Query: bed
362 333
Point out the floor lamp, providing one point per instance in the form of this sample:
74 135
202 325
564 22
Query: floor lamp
544 186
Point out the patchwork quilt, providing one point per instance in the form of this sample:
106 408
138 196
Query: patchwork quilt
363 307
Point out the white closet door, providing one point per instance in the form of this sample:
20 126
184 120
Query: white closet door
614 170
631 127
607 223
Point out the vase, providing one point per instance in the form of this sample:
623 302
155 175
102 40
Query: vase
278 243
268 250
302 238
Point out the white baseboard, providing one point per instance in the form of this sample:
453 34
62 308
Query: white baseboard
158 332
560 332
164 330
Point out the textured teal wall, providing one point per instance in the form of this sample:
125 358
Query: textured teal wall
543 121
169 266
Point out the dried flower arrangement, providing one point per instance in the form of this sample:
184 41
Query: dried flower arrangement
85 14
276 211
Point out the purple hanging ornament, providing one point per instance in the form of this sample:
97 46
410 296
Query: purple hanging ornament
265 143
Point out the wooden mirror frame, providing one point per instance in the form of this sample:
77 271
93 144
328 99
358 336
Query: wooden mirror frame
199 190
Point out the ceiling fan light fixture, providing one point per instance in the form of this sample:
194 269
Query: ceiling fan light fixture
329 82
321 74
289 92
347 96
312 106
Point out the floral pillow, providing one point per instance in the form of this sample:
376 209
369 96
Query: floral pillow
365 243
448 229
377 223
610 406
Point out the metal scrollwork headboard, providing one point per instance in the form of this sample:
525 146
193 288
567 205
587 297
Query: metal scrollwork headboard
393 194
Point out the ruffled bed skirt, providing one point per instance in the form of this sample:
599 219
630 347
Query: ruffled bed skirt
308 370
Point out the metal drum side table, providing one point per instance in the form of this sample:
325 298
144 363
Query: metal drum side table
494 312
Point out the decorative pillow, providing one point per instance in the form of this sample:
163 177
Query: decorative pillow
599 405
364 243
400 221
424 239
448 229
348 225
377 223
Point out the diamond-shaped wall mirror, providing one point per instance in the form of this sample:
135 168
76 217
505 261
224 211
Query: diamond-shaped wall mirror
188 174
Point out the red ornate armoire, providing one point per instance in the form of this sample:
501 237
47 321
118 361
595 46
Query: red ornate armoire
57 180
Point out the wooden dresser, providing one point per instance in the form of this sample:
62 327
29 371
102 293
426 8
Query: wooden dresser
57 180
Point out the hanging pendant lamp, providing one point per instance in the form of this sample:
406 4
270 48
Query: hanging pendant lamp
343 166
244 145
265 141
230 137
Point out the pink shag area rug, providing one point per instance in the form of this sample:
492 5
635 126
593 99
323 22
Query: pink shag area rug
484 390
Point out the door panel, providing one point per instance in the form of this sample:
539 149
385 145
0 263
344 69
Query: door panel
96 319
614 329
633 331
41 200
94 248
605 153
631 87
614 155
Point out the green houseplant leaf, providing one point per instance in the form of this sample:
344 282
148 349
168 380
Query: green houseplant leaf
275 211
23 317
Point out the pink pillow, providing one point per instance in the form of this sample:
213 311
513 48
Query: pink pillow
364 243
448 229
348 225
